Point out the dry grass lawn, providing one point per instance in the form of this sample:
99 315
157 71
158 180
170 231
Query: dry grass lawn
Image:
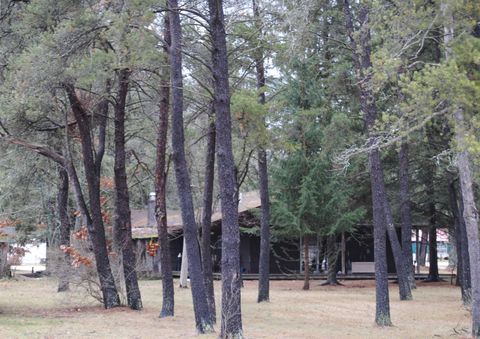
30 308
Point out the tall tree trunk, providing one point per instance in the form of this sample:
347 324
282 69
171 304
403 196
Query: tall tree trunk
4 259
458 252
470 212
52 240
465 255
402 273
406 212
264 261
362 63
433 275
207 216
463 262
122 221
95 224
382 313
470 215
203 317
231 305
168 301
306 264
332 255
65 225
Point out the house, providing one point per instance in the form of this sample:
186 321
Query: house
356 255
284 256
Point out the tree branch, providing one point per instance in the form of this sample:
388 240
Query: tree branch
37 148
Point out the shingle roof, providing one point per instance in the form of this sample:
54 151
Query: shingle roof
141 229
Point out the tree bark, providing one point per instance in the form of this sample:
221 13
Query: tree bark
65 225
264 261
52 239
306 264
470 215
207 216
168 300
122 221
37 148
95 225
231 305
402 273
459 265
203 317
3 259
465 255
382 312
367 102
433 275
463 263
406 212
470 212
332 255
362 63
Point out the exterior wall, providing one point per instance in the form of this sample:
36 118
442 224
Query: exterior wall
359 247
284 256
176 247
148 266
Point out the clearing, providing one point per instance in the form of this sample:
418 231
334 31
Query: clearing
31 308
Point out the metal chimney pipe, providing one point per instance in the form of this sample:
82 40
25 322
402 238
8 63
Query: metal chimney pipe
151 209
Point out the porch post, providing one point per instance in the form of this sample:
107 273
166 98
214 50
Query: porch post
417 248
300 252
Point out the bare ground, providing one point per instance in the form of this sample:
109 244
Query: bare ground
30 308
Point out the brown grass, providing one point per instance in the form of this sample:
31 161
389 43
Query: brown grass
30 308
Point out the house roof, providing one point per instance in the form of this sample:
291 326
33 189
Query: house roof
142 230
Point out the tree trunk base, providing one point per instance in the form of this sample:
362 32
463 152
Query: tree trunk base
166 313
331 283
63 288
112 305
383 321
262 299
135 305
413 284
